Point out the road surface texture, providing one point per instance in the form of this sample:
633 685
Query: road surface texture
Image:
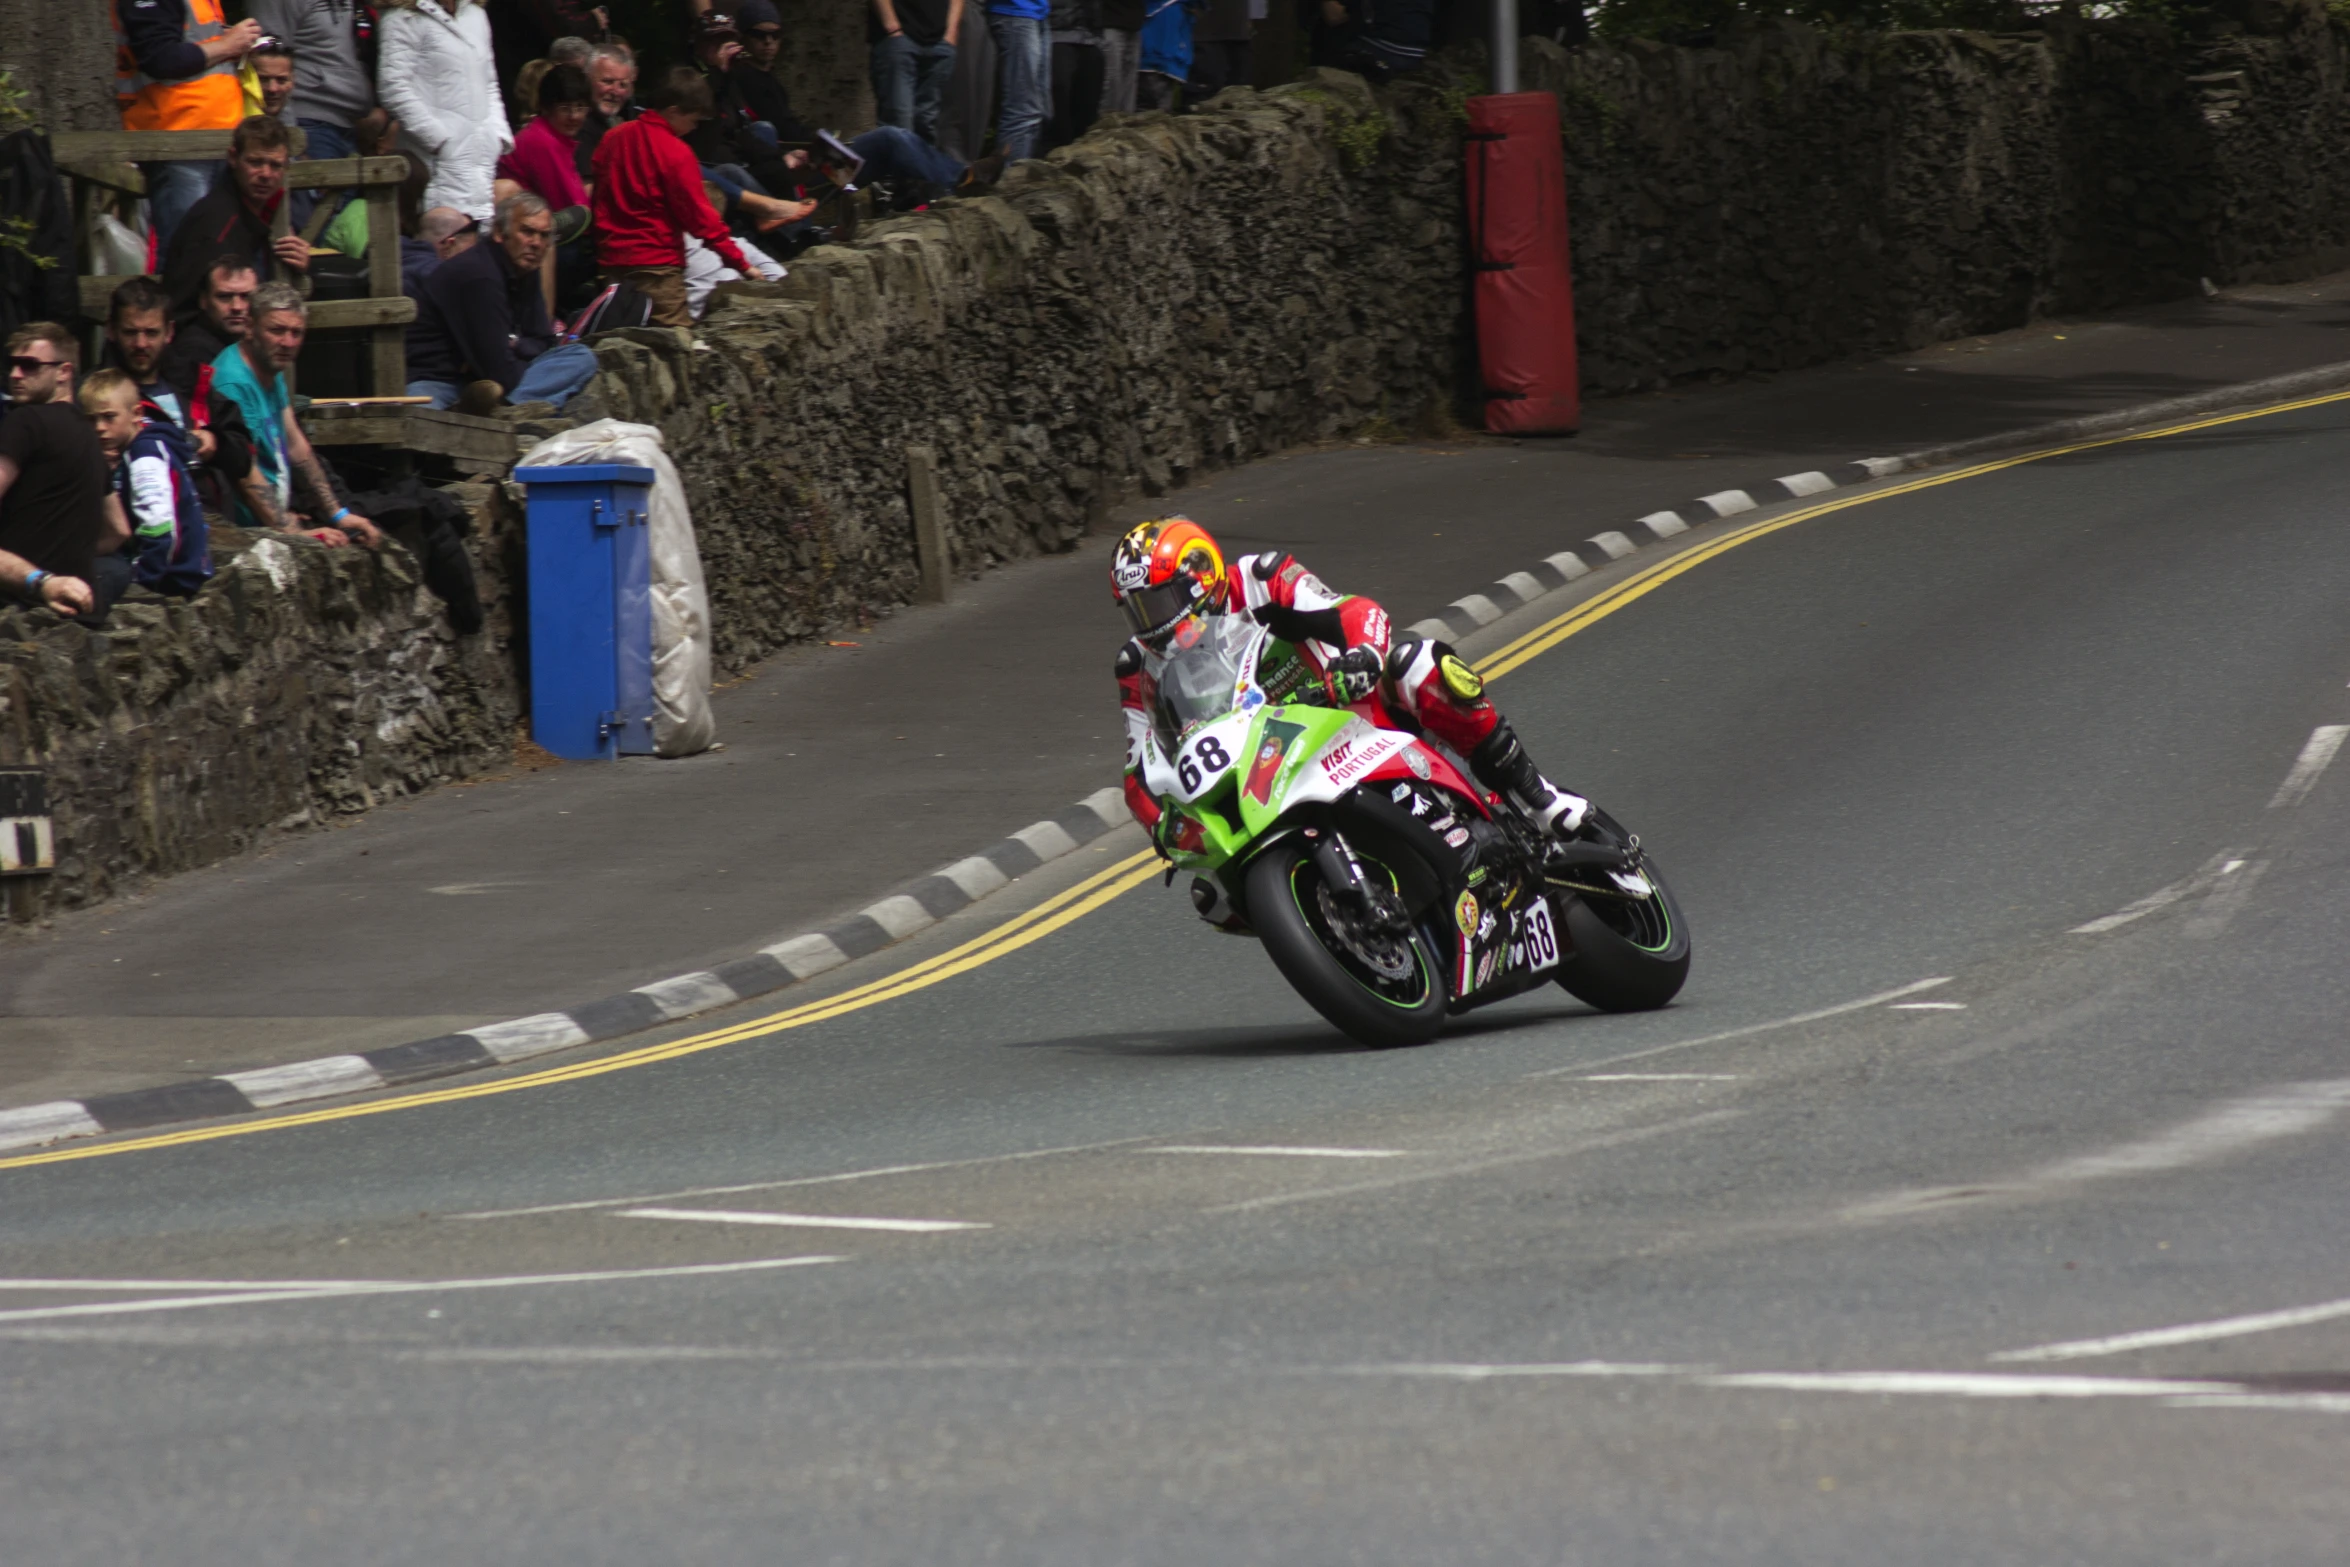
848 770
1979 1202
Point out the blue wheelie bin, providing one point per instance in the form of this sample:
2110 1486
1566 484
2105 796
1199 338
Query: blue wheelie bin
591 610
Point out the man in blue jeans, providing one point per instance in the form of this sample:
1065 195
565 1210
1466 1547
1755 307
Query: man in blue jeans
1023 41
481 335
913 55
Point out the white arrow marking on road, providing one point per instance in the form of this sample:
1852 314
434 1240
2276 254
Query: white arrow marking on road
2323 742
805 1221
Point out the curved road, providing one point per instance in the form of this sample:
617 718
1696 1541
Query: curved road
1950 1217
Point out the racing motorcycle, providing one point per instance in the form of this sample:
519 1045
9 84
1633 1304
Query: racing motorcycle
1386 886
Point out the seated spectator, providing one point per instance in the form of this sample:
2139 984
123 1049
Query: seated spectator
524 97
268 75
482 335
235 217
612 78
149 472
59 528
545 159
252 374
141 340
890 153
648 195
442 234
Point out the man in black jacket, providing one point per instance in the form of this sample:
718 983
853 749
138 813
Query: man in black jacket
236 217
170 364
482 336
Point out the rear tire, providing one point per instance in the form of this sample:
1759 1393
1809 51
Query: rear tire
1282 885
1632 958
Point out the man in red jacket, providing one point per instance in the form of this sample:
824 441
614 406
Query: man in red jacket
648 196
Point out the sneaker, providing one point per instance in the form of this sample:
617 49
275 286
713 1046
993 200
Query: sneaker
570 224
981 174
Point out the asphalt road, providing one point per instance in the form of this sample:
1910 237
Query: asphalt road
1836 1261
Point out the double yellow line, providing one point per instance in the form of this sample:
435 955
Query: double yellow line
1098 889
1039 922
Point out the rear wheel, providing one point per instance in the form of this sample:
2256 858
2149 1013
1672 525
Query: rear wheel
1628 955
1377 984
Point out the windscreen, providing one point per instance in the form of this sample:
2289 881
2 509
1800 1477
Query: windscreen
1202 681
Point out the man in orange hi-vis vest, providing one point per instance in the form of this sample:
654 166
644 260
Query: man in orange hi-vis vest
175 69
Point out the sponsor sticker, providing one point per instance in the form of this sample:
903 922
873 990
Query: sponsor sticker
1457 837
1464 913
1401 793
1485 967
1417 760
1134 573
1349 760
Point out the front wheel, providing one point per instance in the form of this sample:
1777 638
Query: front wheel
1381 988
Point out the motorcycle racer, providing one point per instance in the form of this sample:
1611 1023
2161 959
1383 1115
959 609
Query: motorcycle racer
1168 575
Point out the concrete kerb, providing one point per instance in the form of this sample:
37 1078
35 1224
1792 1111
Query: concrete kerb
925 902
912 908
1467 614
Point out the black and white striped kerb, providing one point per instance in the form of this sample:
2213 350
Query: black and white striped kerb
1519 588
931 899
912 908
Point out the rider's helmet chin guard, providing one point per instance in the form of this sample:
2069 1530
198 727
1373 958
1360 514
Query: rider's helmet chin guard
1167 575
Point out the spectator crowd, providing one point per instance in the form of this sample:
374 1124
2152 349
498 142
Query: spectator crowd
552 191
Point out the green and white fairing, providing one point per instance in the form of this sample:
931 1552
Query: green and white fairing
1234 756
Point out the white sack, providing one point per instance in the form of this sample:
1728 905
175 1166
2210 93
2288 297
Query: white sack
682 721
116 248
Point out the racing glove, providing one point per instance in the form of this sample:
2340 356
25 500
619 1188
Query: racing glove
1355 673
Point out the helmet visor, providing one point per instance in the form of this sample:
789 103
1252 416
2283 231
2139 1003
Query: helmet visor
1153 611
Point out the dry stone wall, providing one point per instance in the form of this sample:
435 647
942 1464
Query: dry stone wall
303 684
1793 196
1166 296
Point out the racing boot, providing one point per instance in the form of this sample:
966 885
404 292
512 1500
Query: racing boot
1502 765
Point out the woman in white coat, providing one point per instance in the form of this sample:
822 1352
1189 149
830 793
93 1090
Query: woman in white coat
436 72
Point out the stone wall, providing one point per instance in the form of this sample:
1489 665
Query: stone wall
1166 296
303 684
60 55
1793 196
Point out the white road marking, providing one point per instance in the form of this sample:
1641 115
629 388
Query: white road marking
2323 742
1963 1384
264 1291
797 1180
1660 1077
1286 1153
799 1221
2224 863
2223 903
2320 1403
1929 1006
1838 1010
1471 1371
2234 1127
166 1286
1473 1167
2185 1333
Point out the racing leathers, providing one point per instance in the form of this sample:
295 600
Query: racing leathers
1346 641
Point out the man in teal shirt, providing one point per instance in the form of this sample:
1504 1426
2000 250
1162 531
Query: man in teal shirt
252 374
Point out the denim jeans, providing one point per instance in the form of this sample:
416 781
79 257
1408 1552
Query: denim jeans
894 154
321 140
556 376
909 80
172 188
1121 57
1024 45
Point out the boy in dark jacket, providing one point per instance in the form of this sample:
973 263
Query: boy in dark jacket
148 461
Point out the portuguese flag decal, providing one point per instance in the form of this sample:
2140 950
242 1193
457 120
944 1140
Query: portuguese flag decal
1279 736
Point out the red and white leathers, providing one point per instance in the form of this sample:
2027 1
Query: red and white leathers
1422 681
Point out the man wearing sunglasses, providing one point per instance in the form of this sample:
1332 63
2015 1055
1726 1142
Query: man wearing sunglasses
59 525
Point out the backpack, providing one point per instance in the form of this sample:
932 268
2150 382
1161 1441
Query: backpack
618 306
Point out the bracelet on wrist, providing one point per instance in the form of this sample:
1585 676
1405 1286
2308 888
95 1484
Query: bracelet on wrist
32 583
340 513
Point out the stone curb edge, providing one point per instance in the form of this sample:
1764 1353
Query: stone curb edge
925 902
914 907
1478 610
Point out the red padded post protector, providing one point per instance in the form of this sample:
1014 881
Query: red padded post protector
1517 189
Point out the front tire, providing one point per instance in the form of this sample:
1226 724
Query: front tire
1381 1009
